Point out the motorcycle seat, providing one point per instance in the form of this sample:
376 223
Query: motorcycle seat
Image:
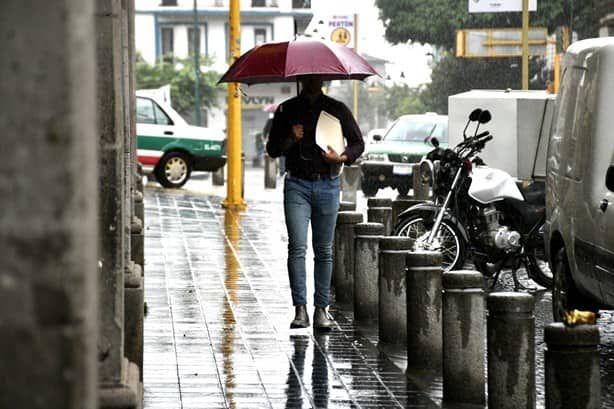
530 213
535 193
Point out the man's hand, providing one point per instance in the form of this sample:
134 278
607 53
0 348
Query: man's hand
331 156
297 132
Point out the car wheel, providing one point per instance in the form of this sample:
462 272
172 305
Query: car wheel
369 188
173 170
565 295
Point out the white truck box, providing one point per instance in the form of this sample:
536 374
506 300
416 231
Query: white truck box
520 125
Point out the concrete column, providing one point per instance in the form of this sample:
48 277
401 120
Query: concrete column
379 210
48 196
392 289
399 205
463 337
350 183
511 351
572 367
421 191
270 172
111 189
343 258
366 270
424 311
134 315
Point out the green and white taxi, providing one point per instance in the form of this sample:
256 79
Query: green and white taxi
169 147
388 162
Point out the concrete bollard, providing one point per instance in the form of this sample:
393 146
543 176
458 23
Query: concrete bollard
343 258
366 270
424 311
572 367
217 177
379 210
137 241
347 206
270 172
350 183
421 190
399 205
392 293
463 337
511 351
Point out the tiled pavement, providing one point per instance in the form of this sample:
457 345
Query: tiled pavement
216 331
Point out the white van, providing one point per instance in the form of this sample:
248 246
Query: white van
171 148
580 180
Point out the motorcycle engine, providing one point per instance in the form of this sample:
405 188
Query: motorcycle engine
493 234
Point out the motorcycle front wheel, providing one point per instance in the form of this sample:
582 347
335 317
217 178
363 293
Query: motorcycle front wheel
449 239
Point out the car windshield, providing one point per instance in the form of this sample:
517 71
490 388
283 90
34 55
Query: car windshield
413 129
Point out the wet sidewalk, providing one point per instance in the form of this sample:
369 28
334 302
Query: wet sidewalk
217 328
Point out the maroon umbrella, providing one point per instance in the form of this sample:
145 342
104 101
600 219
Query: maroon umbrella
285 61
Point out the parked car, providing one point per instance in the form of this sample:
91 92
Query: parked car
170 148
389 162
580 181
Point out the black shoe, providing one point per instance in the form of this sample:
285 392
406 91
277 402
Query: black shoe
321 319
301 319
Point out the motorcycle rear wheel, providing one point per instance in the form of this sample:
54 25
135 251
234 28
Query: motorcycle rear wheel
539 271
452 245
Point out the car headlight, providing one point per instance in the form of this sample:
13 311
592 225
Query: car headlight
427 172
377 156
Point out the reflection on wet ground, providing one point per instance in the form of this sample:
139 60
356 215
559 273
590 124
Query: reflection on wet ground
217 336
217 330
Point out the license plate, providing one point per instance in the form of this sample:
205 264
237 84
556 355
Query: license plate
401 170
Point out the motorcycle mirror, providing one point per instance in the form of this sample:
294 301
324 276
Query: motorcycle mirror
435 141
484 117
475 114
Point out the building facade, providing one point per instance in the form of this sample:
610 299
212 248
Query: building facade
165 30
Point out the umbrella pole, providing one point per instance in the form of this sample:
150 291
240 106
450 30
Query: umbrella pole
297 89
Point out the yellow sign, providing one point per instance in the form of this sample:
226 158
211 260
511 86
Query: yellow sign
340 35
502 42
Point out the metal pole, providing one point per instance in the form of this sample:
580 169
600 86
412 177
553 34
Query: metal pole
196 41
525 44
234 197
356 82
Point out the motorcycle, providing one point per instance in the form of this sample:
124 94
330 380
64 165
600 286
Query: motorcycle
478 212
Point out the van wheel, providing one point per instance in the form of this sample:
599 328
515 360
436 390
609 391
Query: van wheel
565 295
173 170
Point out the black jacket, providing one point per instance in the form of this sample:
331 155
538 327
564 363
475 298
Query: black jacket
305 156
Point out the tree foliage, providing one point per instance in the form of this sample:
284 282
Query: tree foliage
436 21
182 79
402 100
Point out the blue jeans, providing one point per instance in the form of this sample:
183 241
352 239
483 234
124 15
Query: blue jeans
318 202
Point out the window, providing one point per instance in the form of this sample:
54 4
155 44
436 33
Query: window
301 4
258 3
259 36
144 111
169 2
191 47
148 112
167 43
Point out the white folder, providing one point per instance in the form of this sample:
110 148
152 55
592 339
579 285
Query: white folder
329 133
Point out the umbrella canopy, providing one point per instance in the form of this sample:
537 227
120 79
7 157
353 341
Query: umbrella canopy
288 60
